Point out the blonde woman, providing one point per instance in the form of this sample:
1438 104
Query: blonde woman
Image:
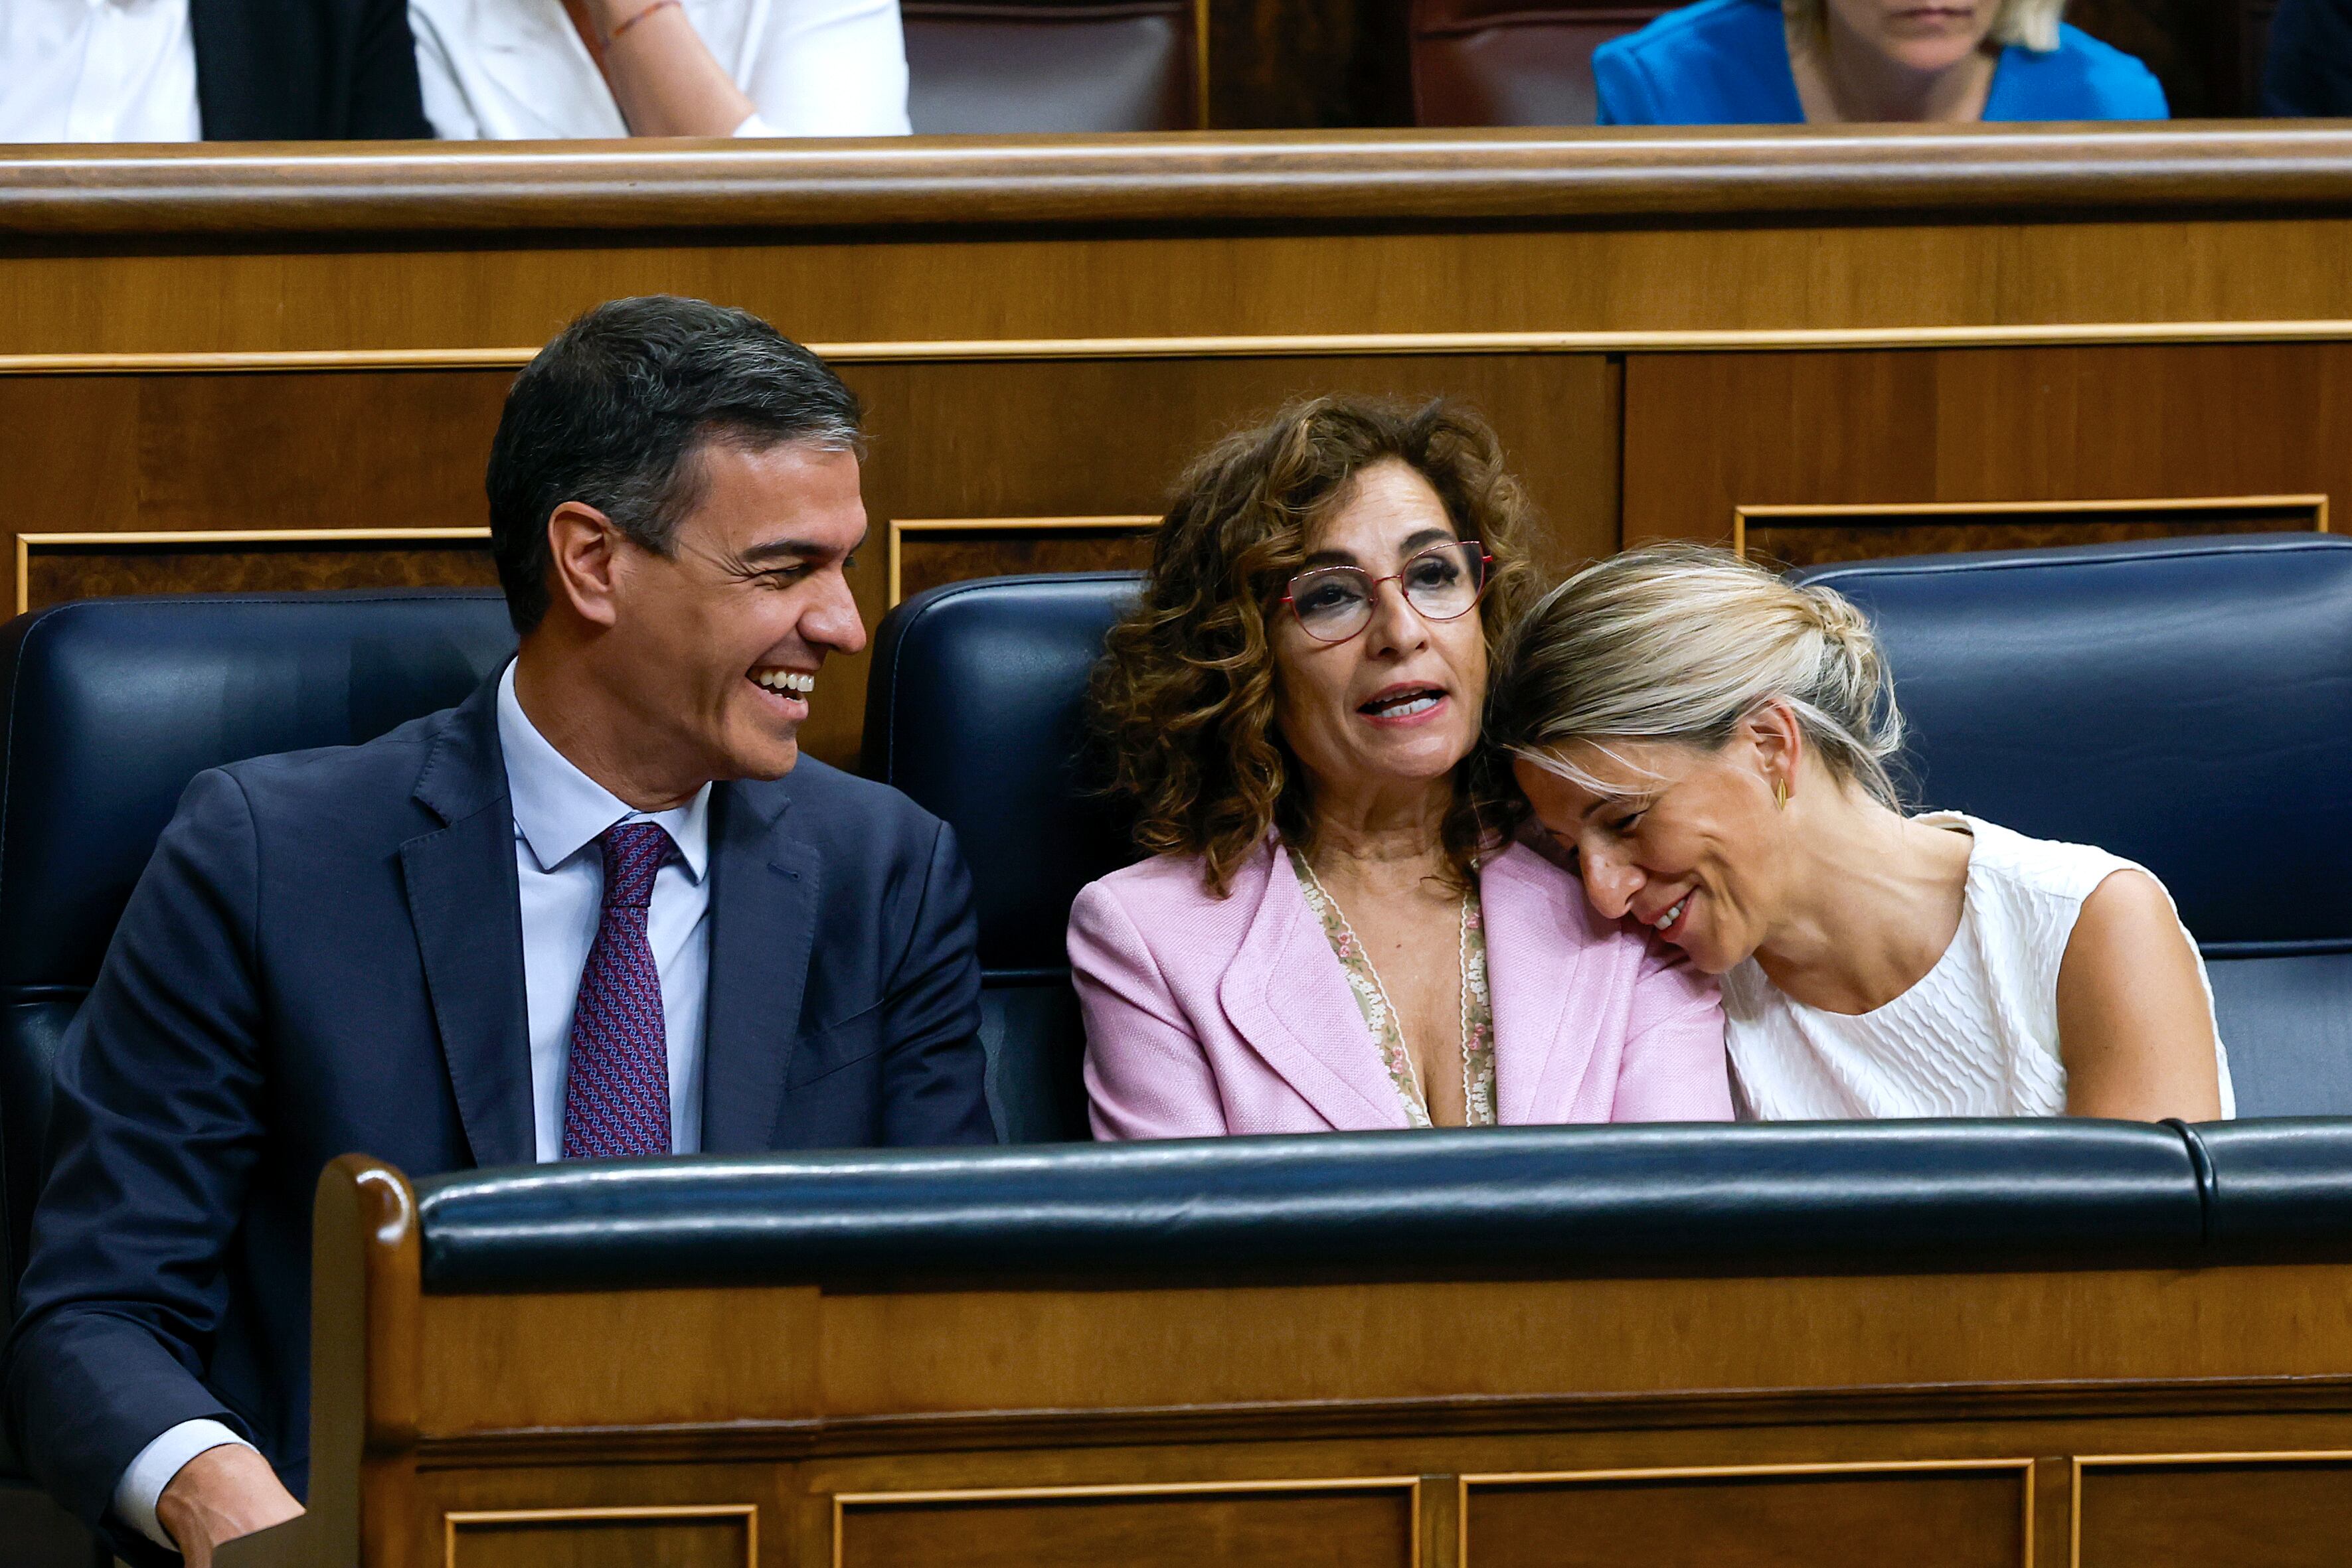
1707 747
1837 62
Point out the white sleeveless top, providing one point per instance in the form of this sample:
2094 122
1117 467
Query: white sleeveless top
1977 1036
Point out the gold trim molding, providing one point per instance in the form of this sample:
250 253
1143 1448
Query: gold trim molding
28 543
746 1511
1269 346
2287 506
899 528
2159 1461
1409 1485
2023 1468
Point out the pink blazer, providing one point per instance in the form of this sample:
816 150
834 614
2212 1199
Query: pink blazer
1207 1016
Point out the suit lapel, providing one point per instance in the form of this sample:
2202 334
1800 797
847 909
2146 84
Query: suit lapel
1534 919
462 900
1285 994
764 892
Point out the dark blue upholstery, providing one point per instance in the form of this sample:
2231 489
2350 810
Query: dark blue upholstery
975 708
113 705
2277 1189
2187 703
1541 1201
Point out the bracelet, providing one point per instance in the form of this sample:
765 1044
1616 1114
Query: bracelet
634 17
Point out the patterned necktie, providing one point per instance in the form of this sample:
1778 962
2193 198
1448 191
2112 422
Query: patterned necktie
616 1100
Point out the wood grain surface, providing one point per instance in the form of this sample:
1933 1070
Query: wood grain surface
1314 176
1706 433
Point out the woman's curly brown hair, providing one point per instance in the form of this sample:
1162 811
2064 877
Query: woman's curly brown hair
1183 700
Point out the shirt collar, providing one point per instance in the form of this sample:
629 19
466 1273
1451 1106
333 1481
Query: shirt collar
560 810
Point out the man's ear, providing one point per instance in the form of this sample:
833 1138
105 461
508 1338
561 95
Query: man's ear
1777 740
584 549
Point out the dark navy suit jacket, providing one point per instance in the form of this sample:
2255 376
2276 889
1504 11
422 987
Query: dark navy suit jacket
325 956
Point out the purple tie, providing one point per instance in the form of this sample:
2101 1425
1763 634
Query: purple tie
616 1102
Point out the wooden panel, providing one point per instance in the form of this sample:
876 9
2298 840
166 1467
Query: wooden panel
1706 433
604 1538
2278 1511
278 451
1922 1518
971 439
98 566
1319 1526
927 552
1079 1350
1706 279
1813 536
694 1355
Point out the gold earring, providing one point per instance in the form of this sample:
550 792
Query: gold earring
1779 794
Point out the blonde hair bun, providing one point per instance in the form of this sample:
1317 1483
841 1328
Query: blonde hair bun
1681 643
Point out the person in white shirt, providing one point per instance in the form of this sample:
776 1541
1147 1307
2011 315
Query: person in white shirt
1707 744
554 68
218 70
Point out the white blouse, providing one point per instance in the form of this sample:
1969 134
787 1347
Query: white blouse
1977 1036
508 69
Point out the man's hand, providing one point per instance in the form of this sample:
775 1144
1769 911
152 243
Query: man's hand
219 1495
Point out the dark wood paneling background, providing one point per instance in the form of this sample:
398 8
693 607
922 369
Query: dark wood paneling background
1707 432
1958 1518
376 448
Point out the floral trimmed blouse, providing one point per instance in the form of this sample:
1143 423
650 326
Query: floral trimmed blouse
1379 1017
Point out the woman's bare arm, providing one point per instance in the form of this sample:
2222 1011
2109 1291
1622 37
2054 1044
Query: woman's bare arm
2134 1024
663 76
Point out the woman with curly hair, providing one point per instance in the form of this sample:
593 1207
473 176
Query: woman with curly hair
1335 931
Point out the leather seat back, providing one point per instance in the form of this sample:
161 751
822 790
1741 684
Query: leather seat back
1501 62
995 70
975 708
2187 703
113 705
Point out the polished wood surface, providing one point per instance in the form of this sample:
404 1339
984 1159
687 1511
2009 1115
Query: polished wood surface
1664 327
1310 176
2105 1417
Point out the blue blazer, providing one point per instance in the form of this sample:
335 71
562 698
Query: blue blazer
1726 62
325 956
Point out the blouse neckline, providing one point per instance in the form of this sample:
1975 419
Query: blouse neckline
1951 822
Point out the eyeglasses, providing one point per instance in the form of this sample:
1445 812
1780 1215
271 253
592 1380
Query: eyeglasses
1442 582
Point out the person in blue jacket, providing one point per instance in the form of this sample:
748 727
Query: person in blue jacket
1830 62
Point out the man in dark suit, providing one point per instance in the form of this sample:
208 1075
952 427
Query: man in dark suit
602 908
2309 72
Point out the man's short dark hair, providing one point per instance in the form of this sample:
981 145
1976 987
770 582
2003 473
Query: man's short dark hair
614 412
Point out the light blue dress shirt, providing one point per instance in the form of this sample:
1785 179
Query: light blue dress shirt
559 814
1726 62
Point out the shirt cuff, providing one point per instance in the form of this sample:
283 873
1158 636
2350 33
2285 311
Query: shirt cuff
142 1483
754 126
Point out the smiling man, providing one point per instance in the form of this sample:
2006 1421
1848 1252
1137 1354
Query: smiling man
603 908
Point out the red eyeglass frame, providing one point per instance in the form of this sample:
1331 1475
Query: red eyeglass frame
1485 580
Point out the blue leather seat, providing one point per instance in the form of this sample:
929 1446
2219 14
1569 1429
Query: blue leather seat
975 707
2187 703
113 705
